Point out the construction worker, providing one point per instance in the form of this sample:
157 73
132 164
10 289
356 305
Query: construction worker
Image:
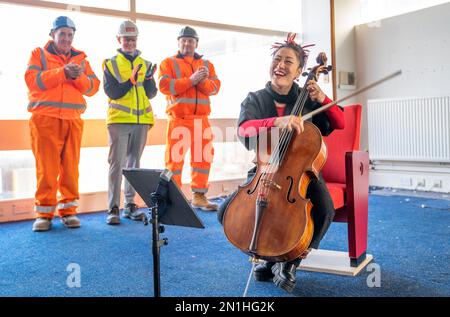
188 80
129 84
57 78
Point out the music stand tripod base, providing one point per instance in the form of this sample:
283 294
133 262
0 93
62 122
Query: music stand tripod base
167 205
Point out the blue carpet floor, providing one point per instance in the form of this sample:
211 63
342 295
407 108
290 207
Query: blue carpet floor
409 238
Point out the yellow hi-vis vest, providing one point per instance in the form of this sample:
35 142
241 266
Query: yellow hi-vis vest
134 106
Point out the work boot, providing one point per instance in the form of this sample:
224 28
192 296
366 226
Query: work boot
113 216
42 224
71 221
284 274
199 201
132 212
263 271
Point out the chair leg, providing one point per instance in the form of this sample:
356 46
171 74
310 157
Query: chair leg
355 262
357 167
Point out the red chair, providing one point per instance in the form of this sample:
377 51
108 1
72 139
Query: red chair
346 173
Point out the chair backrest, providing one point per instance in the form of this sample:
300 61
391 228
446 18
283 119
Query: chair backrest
341 141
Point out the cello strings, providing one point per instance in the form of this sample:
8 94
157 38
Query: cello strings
287 135
296 111
284 142
276 158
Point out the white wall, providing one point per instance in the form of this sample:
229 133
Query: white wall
346 16
418 43
316 29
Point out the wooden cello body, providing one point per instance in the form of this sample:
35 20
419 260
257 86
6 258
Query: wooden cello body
270 217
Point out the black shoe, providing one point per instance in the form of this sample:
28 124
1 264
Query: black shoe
263 271
284 275
113 216
132 212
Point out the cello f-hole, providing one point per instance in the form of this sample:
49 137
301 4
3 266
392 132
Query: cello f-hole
251 191
291 184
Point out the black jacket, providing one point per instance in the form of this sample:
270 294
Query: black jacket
261 105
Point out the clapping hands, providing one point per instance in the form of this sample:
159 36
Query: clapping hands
73 71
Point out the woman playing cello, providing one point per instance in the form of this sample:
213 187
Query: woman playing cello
270 107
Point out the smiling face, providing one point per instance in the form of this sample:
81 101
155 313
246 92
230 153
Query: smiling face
285 68
63 38
127 43
187 45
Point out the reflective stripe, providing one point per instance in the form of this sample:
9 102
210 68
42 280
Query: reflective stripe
119 107
139 84
141 112
206 64
200 170
43 60
128 110
190 100
116 70
33 67
172 87
68 205
46 209
176 172
91 85
164 77
83 64
214 78
92 76
39 81
176 67
215 88
199 190
56 105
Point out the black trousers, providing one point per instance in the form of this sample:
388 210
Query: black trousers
322 211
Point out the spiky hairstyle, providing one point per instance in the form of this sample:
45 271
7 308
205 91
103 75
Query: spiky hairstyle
301 51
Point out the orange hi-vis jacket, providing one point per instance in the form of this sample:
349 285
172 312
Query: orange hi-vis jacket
50 92
184 99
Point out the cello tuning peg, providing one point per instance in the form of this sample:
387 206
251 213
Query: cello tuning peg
304 74
329 68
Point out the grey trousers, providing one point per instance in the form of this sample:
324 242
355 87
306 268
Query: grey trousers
126 144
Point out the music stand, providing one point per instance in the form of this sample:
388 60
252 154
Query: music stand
166 204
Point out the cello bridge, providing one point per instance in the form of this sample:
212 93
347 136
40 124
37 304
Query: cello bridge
270 183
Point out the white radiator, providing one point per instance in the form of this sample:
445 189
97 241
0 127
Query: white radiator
416 129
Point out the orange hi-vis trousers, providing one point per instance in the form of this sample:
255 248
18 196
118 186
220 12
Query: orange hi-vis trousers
56 147
194 133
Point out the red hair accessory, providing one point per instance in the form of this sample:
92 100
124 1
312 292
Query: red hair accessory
290 41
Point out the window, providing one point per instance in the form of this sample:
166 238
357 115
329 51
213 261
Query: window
372 10
115 4
241 60
95 36
266 14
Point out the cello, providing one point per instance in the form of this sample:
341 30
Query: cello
270 217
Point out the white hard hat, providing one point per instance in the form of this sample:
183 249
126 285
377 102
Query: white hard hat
128 28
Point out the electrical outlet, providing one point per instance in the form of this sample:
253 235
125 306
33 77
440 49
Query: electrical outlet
421 182
437 183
